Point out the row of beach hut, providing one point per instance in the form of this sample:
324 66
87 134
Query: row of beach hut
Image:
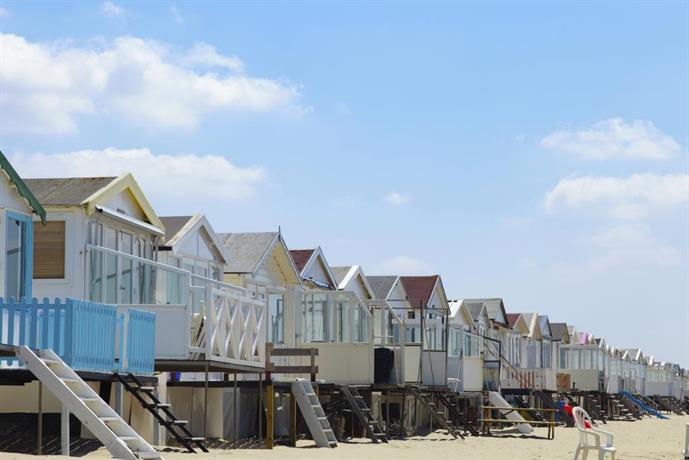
218 325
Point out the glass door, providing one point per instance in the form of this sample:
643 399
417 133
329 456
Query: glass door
18 256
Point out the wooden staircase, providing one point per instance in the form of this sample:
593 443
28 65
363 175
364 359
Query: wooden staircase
426 399
619 410
456 414
594 405
313 413
95 414
362 412
149 401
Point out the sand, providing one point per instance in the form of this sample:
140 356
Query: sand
644 439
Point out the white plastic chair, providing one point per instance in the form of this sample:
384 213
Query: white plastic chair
590 438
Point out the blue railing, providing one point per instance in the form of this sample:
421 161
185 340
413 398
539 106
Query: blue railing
84 334
141 329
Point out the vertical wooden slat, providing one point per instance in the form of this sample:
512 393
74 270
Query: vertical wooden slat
10 322
33 324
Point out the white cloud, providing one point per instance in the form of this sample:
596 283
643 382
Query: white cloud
622 250
176 15
162 177
403 265
615 138
113 10
630 197
396 199
48 87
204 54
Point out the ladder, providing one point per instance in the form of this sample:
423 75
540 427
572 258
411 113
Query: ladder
454 412
80 399
313 414
426 400
363 413
177 428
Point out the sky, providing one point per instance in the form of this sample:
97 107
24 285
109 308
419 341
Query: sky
531 151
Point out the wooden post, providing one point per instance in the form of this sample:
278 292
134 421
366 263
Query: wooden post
64 430
205 405
292 420
686 445
39 438
270 404
234 412
260 405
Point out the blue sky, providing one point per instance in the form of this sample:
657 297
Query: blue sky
530 151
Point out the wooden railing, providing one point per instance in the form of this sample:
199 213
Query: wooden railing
84 334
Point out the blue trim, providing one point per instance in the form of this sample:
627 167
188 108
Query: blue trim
27 244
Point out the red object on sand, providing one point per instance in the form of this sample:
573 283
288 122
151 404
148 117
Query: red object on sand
568 409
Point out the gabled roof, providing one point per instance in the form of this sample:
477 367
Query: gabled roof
247 250
476 308
512 319
517 323
340 272
560 332
301 257
91 192
460 311
174 226
306 258
67 191
420 289
544 323
178 227
347 274
382 286
21 186
534 325
495 309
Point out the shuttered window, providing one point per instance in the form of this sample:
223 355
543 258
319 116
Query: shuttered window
49 250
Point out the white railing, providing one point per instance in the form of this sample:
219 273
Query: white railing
216 320
237 332
389 332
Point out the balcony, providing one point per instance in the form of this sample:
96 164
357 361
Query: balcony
197 318
88 336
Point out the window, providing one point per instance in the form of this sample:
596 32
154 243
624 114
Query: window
341 321
360 324
315 317
455 343
276 318
49 250
17 253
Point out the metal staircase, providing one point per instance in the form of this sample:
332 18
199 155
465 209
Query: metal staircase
426 399
313 414
177 428
456 414
363 413
95 414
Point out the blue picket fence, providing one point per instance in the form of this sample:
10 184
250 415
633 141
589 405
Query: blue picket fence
141 329
84 334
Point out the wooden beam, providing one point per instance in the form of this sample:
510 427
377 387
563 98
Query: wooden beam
273 369
270 402
292 420
292 351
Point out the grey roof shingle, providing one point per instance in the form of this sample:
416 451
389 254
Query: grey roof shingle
173 224
340 272
246 249
475 309
558 330
381 285
68 191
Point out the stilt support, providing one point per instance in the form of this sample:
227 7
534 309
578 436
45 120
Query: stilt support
270 405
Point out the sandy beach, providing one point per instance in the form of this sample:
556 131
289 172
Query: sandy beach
646 439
